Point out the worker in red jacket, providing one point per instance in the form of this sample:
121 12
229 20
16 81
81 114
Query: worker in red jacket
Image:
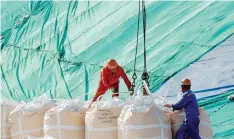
109 79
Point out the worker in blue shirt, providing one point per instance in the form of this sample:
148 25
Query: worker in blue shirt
190 126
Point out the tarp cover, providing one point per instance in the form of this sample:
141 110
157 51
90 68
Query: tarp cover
59 47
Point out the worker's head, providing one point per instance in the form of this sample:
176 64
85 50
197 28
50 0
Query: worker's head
185 85
112 65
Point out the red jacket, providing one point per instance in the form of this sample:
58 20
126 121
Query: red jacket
111 79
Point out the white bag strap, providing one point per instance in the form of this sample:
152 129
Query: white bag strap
157 115
59 125
201 123
123 129
147 126
23 132
3 124
99 99
206 124
146 87
161 125
78 128
20 115
101 129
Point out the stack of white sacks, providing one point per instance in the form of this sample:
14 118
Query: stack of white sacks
66 121
136 118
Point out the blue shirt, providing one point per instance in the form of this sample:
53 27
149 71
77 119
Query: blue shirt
189 104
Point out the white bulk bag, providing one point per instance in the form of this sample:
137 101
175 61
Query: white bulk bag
143 120
66 121
101 119
205 129
27 119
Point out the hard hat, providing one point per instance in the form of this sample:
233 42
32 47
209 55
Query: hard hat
185 82
111 64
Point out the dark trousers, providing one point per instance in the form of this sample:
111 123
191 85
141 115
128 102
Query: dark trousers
189 128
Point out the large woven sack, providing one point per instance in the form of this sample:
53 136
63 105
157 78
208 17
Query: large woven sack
143 120
101 121
205 129
28 119
5 109
66 121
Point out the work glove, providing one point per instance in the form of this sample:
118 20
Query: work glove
131 91
145 92
113 90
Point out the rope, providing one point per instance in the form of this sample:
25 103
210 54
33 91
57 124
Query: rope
215 111
213 102
144 30
134 76
145 75
227 124
216 101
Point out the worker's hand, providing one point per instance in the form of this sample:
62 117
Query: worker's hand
131 91
113 90
145 92
168 105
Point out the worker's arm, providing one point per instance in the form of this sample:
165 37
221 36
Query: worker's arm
183 102
125 78
105 79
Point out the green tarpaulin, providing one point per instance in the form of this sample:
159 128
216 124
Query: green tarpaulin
59 47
